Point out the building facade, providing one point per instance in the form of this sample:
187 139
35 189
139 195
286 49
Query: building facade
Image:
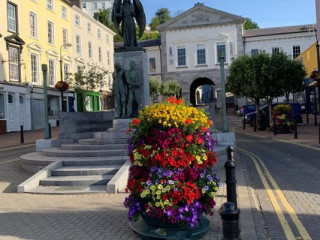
92 6
45 32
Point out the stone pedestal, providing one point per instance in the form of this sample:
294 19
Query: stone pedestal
140 57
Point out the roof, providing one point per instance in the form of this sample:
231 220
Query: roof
279 30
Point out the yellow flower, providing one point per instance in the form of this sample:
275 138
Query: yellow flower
160 186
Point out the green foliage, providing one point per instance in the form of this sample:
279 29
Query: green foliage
170 88
250 24
154 87
161 16
103 16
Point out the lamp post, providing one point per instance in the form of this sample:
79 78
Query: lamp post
223 93
61 71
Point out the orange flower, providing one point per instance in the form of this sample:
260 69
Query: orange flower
188 121
203 129
136 121
210 122
189 138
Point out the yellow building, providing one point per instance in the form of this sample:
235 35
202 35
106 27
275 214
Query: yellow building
309 59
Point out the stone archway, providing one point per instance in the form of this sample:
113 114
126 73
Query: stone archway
195 84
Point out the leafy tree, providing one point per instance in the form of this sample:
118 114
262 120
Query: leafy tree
85 81
103 16
161 16
154 87
170 88
249 24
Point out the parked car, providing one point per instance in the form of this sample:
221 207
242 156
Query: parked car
247 109
296 113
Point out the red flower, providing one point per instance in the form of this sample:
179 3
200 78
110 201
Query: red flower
129 131
136 121
200 141
203 129
188 121
189 138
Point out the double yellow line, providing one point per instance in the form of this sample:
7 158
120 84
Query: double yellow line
265 176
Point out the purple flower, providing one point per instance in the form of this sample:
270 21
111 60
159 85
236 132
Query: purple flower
202 175
206 188
180 210
171 182
192 225
148 183
169 213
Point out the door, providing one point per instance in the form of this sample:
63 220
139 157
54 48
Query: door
11 113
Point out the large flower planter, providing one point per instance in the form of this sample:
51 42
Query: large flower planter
172 181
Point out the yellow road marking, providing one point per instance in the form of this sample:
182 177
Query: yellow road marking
11 148
303 232
284 223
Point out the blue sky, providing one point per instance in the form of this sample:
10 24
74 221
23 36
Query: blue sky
267 13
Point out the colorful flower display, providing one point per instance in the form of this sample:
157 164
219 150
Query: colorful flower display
61 86
282 114
172 177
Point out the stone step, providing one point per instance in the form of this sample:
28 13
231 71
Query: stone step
85 170
93 147
80 135
114 160
88 180
110 135
57 152
68 189
96 141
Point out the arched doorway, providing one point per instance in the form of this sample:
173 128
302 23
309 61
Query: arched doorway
204 94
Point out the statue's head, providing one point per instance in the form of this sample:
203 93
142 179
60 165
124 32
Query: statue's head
117 66
132 63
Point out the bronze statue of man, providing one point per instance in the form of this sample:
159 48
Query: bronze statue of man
120 91
134 82
125 14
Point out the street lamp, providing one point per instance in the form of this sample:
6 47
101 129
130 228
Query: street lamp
61 72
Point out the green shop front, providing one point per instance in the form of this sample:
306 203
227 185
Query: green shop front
88 101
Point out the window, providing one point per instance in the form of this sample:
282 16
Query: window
21 99
78 42
100 54
66 71
152 64
10 98
181 56
77 20
52 72
103 5
65 38
50 4
201 54
33 25
275 50
89 27
95 6
254 52
84 5
90 49
99 33
12 17
34 68
64 12
108 38
79 69
221 51
14 71
296 51
50 33
108 57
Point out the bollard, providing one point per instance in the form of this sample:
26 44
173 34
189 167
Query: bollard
255 124
295 130
230 221
21 134
231 177
244 122
49 130
315 120
307 118
274 127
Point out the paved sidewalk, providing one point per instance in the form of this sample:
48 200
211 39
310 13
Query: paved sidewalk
13 139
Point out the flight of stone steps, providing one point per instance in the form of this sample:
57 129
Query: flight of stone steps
87 166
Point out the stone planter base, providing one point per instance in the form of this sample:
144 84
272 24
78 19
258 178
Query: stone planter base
147 232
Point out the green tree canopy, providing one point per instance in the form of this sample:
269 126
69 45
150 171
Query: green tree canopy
170 88
250 24
154 87
161 16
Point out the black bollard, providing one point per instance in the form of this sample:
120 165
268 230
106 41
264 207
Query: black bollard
315 119
244 122
49 130
274 127
21 134
230 221
231 177
295 130
307 118
255 124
